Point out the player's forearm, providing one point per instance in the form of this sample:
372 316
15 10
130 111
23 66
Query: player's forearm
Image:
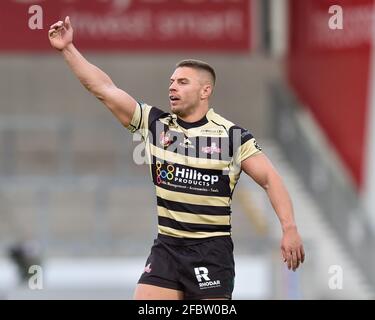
91 77
281 202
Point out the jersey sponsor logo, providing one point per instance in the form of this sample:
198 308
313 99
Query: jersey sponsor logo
203 279
187 144
211 149
183 175
147 268
165 139
217 132
162 174
245 133
256 145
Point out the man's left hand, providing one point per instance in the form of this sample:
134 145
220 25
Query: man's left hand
292 248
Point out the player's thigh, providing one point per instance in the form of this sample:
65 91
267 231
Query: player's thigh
150 292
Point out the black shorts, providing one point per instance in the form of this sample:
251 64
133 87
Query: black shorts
204 270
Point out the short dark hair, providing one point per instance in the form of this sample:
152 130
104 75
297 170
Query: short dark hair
199 65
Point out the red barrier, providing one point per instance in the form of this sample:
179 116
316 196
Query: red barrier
141 25
329 70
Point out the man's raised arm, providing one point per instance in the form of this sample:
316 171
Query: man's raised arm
95 80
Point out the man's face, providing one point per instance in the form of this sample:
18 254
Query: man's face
185 90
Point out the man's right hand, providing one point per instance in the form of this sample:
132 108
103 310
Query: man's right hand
121 104
61 34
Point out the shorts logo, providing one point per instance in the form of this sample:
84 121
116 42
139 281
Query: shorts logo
202 275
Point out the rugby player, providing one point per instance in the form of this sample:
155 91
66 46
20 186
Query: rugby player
196 157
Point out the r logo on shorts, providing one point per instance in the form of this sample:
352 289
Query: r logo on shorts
200 273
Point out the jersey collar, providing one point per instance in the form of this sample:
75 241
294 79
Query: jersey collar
199 123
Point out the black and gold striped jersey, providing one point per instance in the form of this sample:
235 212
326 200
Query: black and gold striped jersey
195 168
